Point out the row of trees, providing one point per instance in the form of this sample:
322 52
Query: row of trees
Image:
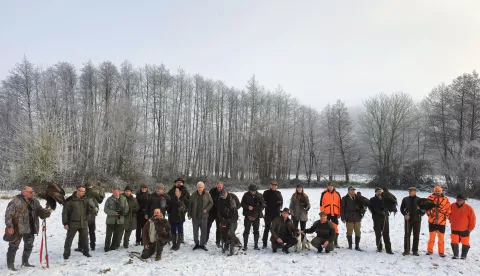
138 123
103 121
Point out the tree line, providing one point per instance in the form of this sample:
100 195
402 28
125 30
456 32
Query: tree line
136 123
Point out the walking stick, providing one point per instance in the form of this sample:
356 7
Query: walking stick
44 243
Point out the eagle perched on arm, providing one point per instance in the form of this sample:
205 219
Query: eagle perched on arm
52 192
390 201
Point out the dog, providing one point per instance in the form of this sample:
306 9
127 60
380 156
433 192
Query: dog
229 241
302 245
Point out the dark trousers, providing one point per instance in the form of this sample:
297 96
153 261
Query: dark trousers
268 222
140 223
154 247
381 227
303 225
177 228
248 224
115 230
91 234
412 228
286 242
210 221
82 240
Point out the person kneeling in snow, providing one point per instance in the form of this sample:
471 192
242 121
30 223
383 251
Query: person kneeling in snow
156 235
325 234
282 230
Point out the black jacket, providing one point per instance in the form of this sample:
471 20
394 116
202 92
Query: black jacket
377 207
158 202
352 208
215 197
274 203
171 193
227 209
409 207
142 199
253 200
324 230
177 209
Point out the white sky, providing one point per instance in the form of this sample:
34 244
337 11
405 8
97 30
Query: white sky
317 51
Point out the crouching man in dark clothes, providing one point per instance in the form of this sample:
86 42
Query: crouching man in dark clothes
325 234
282 230
156 234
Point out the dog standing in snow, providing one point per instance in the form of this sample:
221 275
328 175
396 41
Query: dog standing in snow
302 245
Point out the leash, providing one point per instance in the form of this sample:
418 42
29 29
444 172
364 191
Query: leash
42 243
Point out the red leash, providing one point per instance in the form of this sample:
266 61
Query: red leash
44 241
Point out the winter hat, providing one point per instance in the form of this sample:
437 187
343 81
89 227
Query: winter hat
179 179
438 189
144 186
351 188
160 186
286 210
252 188
412 189
128 188
377 189
460 196
299 186
323 214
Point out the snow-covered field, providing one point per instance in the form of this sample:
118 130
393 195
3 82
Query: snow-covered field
264 262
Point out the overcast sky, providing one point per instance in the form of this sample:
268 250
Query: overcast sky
317 50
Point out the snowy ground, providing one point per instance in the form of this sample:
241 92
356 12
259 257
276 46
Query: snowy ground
264 262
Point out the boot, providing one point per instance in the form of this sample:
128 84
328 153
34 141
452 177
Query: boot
180 238
174 242
86 254
158 257
25 257
177 244
274 247
388 248
465 249
92 246
336 241
349 238
245 242
455 249
357 243
255 240
285 249
320 249
78 249
379 247
11 261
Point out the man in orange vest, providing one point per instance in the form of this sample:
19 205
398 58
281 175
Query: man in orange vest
437 218
463 222
330 204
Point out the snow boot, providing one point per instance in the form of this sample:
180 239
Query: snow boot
357 243
25 257
336 241
11 261
255 240
349 238
455 249
245 242
464 252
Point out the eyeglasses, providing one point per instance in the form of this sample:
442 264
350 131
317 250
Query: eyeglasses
30 192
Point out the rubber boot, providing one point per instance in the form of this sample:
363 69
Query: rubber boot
455 249
245 242
336 241
349 239
255 240
174 242
357 243
464 251
11 261
25 257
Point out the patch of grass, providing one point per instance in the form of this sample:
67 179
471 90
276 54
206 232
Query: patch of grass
5 197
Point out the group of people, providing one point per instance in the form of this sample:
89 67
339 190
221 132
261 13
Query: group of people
147 212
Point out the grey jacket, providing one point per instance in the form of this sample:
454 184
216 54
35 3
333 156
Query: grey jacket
195 199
